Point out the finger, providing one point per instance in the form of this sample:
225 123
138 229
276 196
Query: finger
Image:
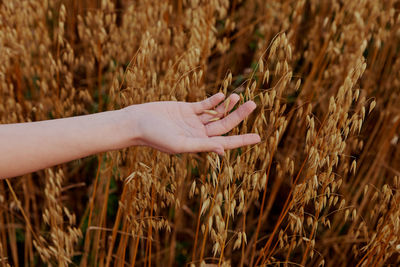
208 103
235 141
233 99
225 125
202 145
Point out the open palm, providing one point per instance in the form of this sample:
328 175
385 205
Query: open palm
178 127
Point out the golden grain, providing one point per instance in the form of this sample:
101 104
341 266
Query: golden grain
61 59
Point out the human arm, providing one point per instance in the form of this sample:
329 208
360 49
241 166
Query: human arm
172 127
28 147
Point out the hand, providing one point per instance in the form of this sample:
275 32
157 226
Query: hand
179 127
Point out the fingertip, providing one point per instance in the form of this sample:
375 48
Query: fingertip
220 95
216 99
252 105
235 97
256 138
253 138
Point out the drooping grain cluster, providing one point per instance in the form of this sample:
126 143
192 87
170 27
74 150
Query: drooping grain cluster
322 188
62 239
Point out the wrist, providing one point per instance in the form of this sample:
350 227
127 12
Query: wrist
129 123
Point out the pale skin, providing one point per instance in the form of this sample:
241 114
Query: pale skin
171 127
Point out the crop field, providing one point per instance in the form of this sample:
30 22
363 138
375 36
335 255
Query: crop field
321 189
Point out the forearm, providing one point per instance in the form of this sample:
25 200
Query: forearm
27 147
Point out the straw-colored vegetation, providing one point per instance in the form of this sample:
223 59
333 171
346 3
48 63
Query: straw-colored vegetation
322 188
